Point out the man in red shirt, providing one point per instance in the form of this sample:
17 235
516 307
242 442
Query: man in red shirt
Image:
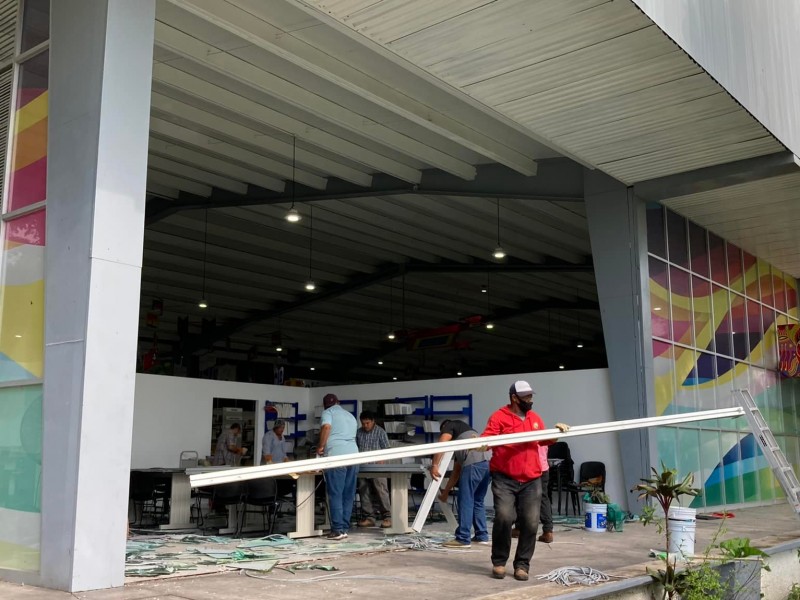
516 481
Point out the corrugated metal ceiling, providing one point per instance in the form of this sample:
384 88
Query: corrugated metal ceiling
595 78
759 216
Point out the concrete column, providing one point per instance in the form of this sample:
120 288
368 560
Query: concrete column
617 229
101 54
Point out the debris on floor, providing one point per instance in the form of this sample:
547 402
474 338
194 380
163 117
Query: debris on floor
569 576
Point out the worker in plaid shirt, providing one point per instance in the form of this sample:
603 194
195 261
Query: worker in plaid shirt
374 493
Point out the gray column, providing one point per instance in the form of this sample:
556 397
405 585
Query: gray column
617 229
101 55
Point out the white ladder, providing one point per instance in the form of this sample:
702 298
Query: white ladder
769 446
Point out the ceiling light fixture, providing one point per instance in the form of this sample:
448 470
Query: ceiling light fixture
484 289
17 336
278 349
579 345
203 302
394 378
657 308
499 253
312 368
310 285
490 326
562 367
293 216
459 373
390 335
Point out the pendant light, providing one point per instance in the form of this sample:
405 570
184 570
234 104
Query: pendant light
499 253
293 216
391 334
489 324
310 285
203 302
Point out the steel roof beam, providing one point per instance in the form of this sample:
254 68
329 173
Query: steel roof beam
365 280
558 180
716 177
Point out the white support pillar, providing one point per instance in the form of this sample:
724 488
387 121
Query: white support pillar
101 54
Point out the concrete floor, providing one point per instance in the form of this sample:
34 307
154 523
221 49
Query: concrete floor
455 575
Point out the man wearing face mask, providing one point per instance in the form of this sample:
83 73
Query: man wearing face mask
516 481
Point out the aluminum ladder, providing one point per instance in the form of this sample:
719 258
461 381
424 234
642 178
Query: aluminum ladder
769 447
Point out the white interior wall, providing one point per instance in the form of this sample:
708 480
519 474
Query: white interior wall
573 397
172 414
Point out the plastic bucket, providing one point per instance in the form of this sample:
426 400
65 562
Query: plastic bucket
595 517
681 524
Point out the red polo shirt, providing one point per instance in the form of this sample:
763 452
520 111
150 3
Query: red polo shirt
518 461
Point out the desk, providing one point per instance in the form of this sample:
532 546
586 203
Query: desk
398 474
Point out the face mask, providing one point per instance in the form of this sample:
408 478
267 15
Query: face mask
524 406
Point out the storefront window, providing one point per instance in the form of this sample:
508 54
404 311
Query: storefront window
35 23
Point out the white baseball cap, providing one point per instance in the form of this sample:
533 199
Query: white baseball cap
520 388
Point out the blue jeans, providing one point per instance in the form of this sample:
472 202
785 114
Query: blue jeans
340 485
472 488
515 501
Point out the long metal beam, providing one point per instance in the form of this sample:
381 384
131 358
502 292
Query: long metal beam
199 479
558 180
382 274
719 176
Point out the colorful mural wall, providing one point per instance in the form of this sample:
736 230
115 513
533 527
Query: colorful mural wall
22 317
715 313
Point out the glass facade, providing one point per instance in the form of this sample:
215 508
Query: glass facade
22 295
714 313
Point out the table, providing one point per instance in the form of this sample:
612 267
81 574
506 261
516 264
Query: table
305 526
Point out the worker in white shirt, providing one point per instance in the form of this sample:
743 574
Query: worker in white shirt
273 446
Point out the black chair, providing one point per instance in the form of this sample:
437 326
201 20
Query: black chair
592 474
225 495
262 493
562 475
142 493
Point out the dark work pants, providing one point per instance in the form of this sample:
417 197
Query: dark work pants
520 502
546 510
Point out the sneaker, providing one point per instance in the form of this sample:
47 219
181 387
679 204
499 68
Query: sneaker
386 523
499 572
335 535
520 575
368 522
456 544
481 542
546 537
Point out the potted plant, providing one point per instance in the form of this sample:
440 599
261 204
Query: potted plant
595 507
665 488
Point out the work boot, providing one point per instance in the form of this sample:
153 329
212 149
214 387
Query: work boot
520 575
386 523
457 544
367 522
499 572
546 537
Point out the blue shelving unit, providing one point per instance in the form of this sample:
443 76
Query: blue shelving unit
294 420
446 405
350 406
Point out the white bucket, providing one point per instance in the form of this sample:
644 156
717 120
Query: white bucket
681 524
595 517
